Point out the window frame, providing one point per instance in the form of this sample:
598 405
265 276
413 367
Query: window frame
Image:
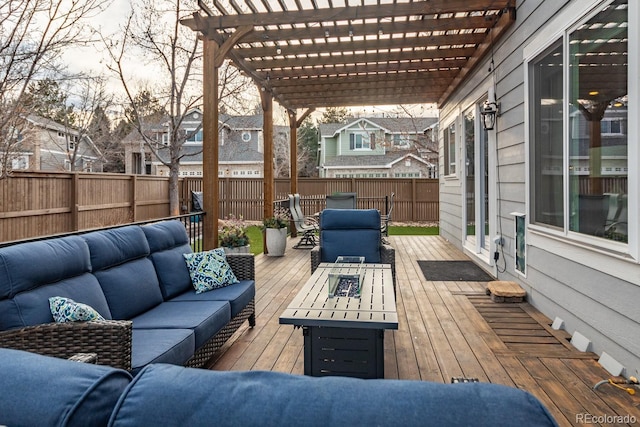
579 247
450 147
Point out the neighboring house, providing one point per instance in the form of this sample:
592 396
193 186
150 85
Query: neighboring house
378 147
241 147
552 190
46 145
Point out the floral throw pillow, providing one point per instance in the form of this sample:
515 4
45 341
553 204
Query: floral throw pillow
67 310
209 270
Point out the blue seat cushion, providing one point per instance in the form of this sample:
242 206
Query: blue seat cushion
350 232
168 241
174 346
46 391
258 398
239 294
205 318
32 307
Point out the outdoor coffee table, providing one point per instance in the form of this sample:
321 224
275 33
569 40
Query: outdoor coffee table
344 335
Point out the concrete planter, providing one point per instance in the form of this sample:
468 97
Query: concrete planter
237 250
276 241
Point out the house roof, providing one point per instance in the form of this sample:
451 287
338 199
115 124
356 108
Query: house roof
49 124
254 122
415 125
380 161
323 53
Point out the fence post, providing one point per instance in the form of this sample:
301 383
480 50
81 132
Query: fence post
414 194
133 199
75 208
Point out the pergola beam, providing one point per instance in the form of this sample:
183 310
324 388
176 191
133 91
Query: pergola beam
346 13
359 30
431 42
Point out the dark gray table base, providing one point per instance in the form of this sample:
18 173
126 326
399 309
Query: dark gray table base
350 352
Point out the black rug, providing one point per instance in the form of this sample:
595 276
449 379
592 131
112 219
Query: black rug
454 271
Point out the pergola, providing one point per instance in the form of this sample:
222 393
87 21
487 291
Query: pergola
308 54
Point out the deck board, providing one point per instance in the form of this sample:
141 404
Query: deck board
445 329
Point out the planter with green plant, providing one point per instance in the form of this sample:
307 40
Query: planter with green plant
276 234
232 235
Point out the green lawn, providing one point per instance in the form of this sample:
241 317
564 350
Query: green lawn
397 230
255 234
255 239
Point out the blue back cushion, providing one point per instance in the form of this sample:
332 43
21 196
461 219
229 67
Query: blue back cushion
168 240
258 398
46 391
32 272
127 277
351 232
29 265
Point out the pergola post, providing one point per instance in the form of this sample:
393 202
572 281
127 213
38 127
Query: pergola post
210 123
267 132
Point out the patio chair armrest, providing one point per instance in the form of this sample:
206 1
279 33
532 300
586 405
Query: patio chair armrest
85 358
109 339
315 258
243 266
312 221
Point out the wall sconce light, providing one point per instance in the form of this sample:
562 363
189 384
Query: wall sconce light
489 110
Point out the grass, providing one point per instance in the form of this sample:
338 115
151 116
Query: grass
255 239
255 234
397 230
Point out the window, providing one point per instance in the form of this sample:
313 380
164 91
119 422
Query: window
579 145
359 141
20 162
449 135
193 136
401 140
246 136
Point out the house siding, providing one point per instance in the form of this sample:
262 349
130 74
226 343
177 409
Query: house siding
594 293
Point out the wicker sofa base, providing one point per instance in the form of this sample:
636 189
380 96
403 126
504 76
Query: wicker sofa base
207 351
109 339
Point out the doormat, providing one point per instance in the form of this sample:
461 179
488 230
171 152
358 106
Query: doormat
453 271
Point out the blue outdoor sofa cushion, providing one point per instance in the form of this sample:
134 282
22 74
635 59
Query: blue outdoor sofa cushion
127 277
46 391
168 240
260 398
238 294
351 232
31 273
174 346
205 318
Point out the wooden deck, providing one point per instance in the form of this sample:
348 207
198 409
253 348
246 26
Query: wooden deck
446 329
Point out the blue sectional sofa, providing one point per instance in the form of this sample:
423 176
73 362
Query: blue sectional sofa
137 279
46 391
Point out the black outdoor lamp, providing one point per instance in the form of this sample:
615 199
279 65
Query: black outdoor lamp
489 111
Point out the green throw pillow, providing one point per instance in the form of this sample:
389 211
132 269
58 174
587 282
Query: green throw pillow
209 270
67 310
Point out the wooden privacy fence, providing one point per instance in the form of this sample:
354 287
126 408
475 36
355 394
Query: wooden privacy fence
414 200
43 203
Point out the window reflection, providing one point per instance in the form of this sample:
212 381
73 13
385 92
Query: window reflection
598 132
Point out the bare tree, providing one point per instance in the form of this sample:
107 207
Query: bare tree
33 35
171 53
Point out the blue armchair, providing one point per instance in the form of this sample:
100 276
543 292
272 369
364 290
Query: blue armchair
352 232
